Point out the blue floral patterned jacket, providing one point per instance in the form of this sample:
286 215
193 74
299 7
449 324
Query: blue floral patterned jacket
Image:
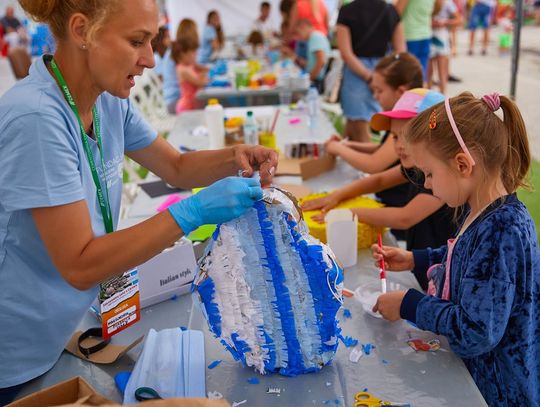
492 319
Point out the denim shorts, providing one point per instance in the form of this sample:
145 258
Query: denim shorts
480 16
356 98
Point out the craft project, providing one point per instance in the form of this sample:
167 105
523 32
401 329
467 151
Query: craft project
367 234
270 291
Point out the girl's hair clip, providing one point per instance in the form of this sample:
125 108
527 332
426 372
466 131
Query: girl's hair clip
433 120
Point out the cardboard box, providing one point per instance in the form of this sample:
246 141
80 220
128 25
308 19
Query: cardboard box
75 390
168 274
307 167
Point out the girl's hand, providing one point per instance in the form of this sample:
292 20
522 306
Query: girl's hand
319 218
388 305
324 204
395 259
333 147
333 137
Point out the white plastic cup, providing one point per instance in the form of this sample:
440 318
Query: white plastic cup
213 115
342 236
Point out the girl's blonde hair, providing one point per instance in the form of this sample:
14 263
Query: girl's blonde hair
187 39
401 69
56 13
501 146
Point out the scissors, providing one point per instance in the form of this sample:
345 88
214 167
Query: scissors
365 399
147 393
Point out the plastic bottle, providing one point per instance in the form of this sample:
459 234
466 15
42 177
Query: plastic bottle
251 130
312 104
213 115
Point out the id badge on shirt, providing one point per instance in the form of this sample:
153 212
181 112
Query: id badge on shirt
119 302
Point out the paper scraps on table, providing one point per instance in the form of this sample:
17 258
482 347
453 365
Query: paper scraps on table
238 403
432 345
214 364
356 354
367 348
273 390
215 395
346 313
253 380
348 341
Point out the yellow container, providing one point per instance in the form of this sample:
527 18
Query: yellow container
367 234
267 139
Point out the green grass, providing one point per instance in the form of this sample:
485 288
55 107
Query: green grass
532 199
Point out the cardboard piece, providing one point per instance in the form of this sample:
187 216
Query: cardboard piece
299 191
109 354
75 390
176 402
306 167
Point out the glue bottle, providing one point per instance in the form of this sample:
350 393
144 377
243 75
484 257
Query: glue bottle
213 115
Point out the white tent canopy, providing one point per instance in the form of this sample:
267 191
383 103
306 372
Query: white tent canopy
237 16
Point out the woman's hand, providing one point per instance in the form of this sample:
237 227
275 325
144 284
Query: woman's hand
395 259
256 158
333 147
388 305
222 201
324 204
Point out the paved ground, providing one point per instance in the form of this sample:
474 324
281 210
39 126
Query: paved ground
480 74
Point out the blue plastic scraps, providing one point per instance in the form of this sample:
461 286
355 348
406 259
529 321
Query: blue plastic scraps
367 348
253 380
349 342
346 313
214 364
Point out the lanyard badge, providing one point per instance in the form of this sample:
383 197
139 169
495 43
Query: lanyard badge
118 296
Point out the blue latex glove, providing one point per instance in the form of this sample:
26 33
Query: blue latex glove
222 201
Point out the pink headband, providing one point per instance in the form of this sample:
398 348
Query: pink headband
493 101
456 131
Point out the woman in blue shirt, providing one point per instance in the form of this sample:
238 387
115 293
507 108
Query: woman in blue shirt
64 131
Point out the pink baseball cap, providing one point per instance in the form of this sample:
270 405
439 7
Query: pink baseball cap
411 103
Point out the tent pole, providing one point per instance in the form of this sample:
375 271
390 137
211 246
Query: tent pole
518 21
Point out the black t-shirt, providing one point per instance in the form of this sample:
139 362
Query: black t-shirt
10 22
433 231
359 16
395 197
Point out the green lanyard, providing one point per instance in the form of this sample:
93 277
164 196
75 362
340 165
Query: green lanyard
103 198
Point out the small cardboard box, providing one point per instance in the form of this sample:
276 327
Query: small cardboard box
307 167
168 274
75 390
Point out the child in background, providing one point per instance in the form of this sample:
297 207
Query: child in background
447 18
427 219
480 17
505 37
392 76
190 75
487 284
160 44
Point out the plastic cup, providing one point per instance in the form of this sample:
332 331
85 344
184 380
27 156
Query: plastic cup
367 295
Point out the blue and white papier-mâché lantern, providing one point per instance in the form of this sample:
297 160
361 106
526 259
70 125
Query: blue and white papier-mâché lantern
270 292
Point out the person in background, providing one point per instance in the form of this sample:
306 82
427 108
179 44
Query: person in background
505 36
160 44
393 75
213 38
61 178
480 17
537 11
417 16
427 220
485 284
318 51
255 46
14 32
440 43
314 11
189 74
263 24
365 29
